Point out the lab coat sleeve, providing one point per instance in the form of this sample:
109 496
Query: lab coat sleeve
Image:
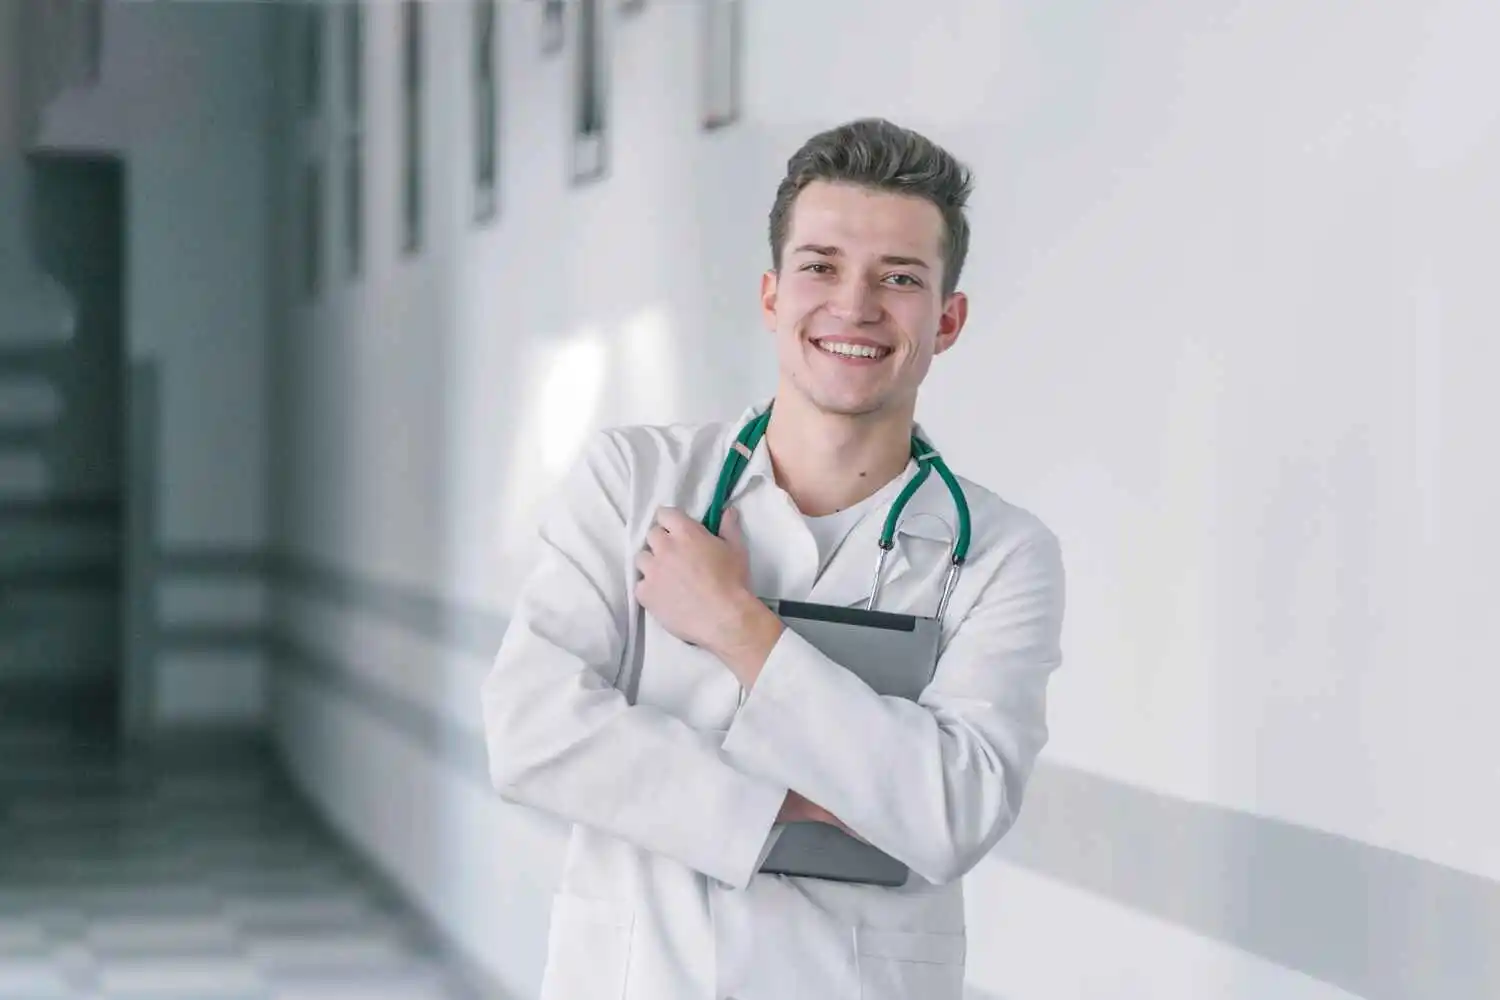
935 783
562 739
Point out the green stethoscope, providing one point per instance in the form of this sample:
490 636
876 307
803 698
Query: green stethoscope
927 460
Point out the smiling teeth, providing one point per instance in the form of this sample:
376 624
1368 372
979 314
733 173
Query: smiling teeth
852 350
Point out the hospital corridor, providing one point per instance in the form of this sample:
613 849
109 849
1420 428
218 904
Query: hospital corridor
313 313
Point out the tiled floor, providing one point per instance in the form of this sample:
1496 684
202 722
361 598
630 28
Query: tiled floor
196 874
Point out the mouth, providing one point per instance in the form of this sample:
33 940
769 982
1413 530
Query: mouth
854 353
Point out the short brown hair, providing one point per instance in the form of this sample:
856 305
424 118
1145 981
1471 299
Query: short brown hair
876 154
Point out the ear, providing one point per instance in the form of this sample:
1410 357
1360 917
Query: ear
951 323
768 285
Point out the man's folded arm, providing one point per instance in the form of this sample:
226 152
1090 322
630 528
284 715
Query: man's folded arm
937 782
561 737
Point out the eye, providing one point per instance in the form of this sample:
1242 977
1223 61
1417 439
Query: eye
906 280
817 264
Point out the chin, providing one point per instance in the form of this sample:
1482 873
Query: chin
847 405
834 396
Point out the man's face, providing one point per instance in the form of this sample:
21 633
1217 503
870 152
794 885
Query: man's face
858 309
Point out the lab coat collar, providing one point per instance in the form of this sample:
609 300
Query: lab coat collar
759 470
923 540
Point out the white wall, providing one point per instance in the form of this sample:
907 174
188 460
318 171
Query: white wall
1231 337
183 98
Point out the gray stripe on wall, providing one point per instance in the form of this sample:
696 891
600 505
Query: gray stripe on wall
464 752
465 629
213 561
443 622
189 639
1375 922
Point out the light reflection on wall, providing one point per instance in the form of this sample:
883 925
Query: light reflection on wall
563 384
649 377
568 399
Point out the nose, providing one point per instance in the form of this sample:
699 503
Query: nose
853 301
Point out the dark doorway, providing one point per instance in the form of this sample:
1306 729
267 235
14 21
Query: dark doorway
62 432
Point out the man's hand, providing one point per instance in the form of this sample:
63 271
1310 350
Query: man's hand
698 587
797 809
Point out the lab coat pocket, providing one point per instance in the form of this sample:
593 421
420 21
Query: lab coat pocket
588 949
898 965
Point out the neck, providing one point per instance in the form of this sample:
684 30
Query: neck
827 461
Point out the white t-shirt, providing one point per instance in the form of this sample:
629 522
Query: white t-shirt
830 530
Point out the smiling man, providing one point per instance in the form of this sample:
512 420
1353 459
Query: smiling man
646 694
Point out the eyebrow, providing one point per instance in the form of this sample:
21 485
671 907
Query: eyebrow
831 251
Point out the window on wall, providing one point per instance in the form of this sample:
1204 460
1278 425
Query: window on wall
486 109
354 137
720 62
411 126
590 123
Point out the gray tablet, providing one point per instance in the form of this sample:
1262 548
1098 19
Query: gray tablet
896 655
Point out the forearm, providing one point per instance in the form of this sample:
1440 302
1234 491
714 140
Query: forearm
891 781
564 741
747 643
933 783
562 738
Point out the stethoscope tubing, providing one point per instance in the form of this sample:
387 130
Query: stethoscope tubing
927 460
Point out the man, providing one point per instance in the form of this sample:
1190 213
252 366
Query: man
739 725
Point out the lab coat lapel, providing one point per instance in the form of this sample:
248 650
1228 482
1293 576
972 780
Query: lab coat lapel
783 554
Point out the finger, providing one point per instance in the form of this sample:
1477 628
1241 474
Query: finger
644 560
673 519
656 537
731 525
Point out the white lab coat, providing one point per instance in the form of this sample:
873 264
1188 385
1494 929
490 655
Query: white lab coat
673 799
